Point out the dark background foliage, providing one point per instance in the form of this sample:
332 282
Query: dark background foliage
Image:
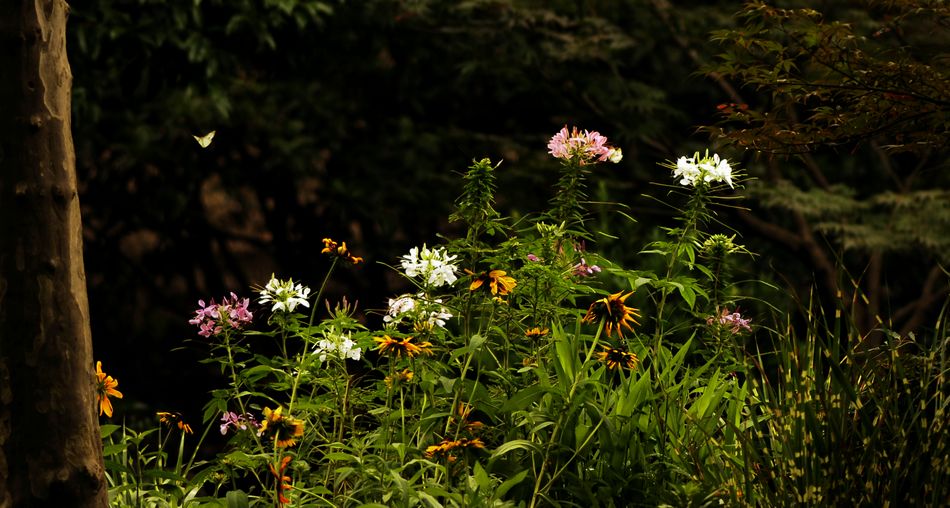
355 119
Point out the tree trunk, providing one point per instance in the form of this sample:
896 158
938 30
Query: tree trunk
50 450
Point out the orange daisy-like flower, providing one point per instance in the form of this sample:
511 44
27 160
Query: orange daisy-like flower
496 281
449 448
399 378
105 388
616 315
339 250
402 347
283 481
617 358
536 333
174 419
284 430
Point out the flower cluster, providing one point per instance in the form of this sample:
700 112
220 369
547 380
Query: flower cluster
583 269
733 321
105 387
418 310
719 245
230 419
339 346
211 318
339 250
691 170
434 266
285 294
582 147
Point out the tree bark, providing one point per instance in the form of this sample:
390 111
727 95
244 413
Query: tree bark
50 450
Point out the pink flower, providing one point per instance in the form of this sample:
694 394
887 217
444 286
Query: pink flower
582 269
533 258
232 419
582 147
211 318
731 320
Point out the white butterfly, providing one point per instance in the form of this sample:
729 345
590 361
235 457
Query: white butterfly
205 140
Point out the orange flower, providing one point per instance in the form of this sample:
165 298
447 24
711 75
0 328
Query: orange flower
449 448
174 418
399 378
105 387
615 314
283 481
498 282
536 333
404 346
465 414
617 358
284 430
339 250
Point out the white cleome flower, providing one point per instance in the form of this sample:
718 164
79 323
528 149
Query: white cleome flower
686 170
339 346
416 309
432 265
440 316
285 294
398 306
708 169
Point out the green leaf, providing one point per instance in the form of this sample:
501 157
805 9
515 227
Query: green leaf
166 475
688 295
516 444
107 430
509 483
113 449
428 500
481 477
524 398
237 499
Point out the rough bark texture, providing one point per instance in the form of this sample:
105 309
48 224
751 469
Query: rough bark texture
50 451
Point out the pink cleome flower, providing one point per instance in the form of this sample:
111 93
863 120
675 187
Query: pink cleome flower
211 317
585 147
731 320
238 422
582 269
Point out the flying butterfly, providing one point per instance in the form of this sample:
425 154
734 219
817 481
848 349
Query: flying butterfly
205 140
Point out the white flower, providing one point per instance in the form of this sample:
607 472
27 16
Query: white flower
340 346
347 351
687 170
285 294
710 169
716 169
439 317
399 305
432 265
614 155
416 309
